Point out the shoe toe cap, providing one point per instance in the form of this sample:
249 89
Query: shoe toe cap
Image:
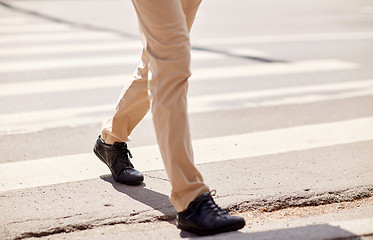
133 177
235 222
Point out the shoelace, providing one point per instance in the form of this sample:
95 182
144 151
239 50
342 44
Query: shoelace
210 204
124 156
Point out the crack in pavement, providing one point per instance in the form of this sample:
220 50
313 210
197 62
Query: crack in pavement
65 229
133 218
42 219
159 178
271 203
307 172
94 224
267 204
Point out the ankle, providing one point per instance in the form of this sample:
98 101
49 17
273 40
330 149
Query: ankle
108 140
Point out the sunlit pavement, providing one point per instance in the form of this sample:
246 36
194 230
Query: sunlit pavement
281 113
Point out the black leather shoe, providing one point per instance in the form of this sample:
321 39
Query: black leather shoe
204 217
115 156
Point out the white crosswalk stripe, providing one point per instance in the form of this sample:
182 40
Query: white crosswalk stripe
12 20
57 37
272 69
89 35
22 39
69 48
211 73
34 28
85 166
288 38
97 47
84 62
38 120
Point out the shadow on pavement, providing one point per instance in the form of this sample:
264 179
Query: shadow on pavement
312 232
161 203
155 200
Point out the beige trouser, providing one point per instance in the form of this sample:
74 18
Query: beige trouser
161 82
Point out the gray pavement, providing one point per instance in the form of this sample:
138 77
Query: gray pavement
269 182
319 81
305 230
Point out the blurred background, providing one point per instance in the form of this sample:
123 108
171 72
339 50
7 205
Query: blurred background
64 63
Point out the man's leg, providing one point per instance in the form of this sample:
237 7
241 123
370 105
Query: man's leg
134 103
165 27
165 37
132 106
111 147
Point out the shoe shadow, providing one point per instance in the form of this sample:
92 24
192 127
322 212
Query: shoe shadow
155 200
310 232
185 234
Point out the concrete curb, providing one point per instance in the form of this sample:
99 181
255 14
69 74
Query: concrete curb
267 203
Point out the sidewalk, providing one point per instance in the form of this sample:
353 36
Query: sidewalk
350 229
263 183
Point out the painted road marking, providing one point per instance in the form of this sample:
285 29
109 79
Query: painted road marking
99 47
246 52
58 37
46 119
90 35
62 85
69 48
12 20
35 28
281 96
308 37
272 69
17 66
28 121
56 170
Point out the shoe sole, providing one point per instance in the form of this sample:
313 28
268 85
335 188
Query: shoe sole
213 231
102 160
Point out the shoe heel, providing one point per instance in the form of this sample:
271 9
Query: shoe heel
98 155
